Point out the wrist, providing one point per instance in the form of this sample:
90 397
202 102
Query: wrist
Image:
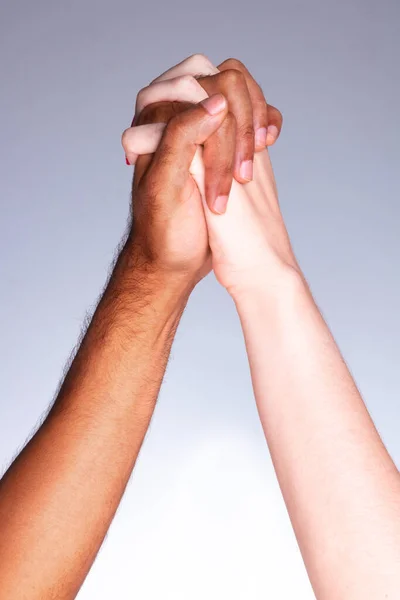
270 292
148 284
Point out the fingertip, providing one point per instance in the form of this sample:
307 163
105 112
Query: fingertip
246 170
261 137
130 159
219 205
272 134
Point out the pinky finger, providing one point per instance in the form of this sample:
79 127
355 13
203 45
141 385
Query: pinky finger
275 121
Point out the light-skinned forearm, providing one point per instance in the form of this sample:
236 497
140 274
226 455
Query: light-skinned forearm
341 488
59 497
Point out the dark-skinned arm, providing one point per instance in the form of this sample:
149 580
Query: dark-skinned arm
59 496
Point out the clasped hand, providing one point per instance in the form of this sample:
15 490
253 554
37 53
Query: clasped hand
204 194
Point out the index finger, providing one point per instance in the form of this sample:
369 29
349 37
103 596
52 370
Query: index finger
267 120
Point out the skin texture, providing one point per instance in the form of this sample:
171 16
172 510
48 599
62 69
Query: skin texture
340 486
227 153
60 495
66 484
244 223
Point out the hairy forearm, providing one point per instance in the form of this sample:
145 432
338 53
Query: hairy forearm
341 488
59 496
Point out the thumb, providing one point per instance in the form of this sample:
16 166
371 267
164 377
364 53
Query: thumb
169 169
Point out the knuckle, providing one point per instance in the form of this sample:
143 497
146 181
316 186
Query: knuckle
261 104
233 77
142 98
198 57
186 82
141 95
233 63
176 128
246 132
201 63
260 109
126 138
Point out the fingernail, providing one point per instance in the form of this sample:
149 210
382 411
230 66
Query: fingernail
215 104
261 137
246 170
220 204
272 134
127 161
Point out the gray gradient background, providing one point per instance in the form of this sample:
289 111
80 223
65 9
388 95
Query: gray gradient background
203 515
